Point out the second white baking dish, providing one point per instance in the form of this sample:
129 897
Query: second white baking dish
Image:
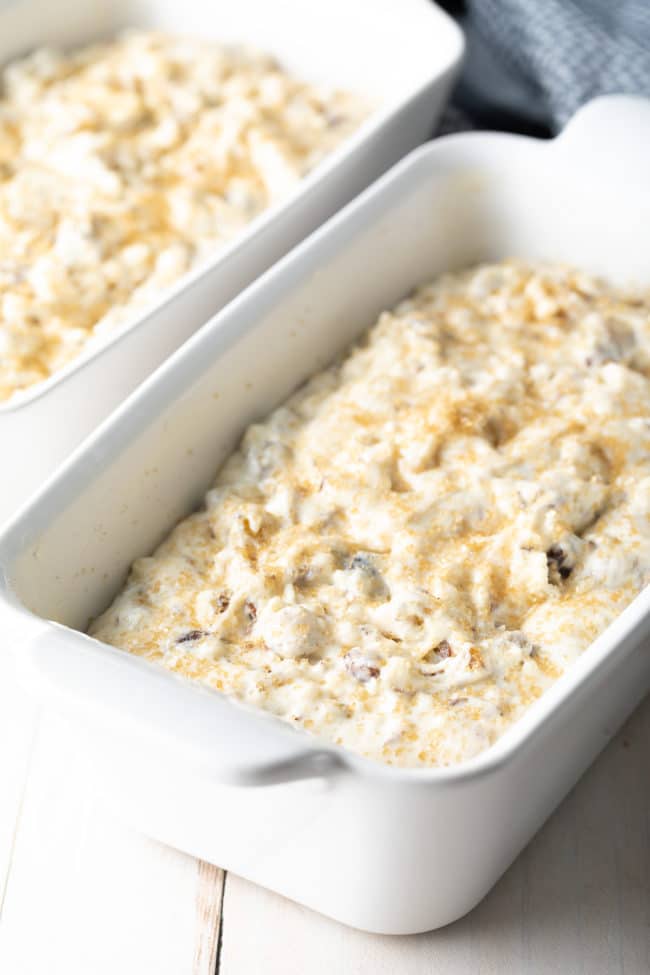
401 54
386 849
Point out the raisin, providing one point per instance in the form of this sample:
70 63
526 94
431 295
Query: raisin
556 554
191 636
556 558
362 562
360 668
444 650
223 601
250 609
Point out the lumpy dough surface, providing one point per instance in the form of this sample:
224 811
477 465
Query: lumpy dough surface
406 554
126 164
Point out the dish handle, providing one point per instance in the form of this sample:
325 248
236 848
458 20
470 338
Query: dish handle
610 135
180 719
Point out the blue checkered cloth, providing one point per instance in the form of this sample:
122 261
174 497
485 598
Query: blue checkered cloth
532 63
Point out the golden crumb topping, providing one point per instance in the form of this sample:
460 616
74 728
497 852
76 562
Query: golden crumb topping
125 164
424 537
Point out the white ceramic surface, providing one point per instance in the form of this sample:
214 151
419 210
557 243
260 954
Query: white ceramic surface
402 54
389 850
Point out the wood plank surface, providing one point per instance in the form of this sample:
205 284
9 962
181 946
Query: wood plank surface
86 895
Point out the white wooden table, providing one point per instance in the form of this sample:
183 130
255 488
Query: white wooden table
80 894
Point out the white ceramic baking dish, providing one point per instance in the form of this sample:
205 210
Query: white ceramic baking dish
401 54
385 849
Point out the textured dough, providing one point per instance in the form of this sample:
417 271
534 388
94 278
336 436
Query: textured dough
124 165
424 537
